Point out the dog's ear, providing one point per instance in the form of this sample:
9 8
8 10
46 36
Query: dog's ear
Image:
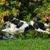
8 18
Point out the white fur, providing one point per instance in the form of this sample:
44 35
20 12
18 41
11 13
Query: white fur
12 30
31 23
44 31
47 25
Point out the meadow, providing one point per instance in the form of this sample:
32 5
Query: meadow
27 44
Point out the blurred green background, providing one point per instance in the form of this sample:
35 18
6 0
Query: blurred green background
27 10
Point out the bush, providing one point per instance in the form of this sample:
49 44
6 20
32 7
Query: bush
32 34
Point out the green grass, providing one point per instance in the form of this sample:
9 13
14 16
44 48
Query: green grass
28 44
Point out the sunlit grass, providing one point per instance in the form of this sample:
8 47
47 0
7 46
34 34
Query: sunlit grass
28 44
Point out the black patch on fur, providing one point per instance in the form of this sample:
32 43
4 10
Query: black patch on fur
19 24
31 27
15 21
27 28
41 26
8 18
35 25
